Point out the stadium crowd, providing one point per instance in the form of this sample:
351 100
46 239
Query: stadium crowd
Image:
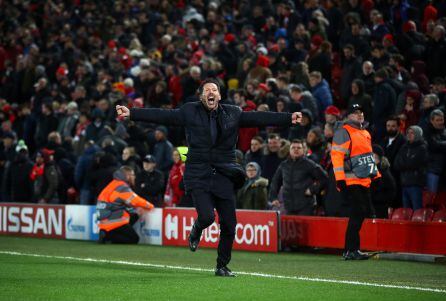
64 65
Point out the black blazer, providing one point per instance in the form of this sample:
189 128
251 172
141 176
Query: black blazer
203 156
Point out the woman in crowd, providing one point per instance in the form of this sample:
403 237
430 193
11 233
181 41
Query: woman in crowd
254 194
174 190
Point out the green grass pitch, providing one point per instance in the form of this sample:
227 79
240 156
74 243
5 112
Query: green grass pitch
56 277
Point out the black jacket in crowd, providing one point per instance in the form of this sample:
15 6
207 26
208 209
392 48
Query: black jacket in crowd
411 162
254 157
295 176
150 186
384 100
203 157
436 142
101 174
391 150
53 186
18 181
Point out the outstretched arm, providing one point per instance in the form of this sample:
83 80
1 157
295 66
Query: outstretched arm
253 119
161 116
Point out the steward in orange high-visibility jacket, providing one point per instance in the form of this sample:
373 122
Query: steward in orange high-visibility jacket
354 169
116 206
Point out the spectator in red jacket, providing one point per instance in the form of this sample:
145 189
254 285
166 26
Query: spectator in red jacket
174 191
245 134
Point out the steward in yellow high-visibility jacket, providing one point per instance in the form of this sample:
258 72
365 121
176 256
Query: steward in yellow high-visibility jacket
116 208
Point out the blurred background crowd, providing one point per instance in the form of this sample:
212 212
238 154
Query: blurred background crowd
64 65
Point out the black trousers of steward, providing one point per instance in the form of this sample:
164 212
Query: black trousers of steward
124 234
359 200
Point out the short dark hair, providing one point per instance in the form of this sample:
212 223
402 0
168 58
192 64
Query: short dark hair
296 88
298 141
208 81
382 73
349 46
273 136
378 46
283 78
394 118
398 58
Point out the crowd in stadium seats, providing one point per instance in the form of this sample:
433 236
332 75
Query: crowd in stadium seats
64 65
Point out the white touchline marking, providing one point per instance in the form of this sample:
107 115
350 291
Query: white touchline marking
173 267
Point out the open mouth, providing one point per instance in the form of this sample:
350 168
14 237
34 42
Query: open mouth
211 100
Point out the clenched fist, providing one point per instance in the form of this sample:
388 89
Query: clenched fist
296 118
123 112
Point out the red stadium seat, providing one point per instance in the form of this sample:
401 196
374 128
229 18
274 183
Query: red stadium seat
402 214
440 200
440 216
423 215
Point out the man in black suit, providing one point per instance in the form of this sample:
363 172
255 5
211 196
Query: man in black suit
391 143
211 173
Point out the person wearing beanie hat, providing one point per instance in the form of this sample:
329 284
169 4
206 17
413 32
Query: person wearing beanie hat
410 162
162 150
317 40
262 51
352 143
383 189
260 72
19 187
332 114
211 174
262 61
61 72
264 87
163 130
388 37
229 38
21 146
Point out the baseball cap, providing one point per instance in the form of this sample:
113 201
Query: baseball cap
149 159
353 108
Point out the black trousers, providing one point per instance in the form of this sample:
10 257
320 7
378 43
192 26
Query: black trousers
359 200
205 202
124 234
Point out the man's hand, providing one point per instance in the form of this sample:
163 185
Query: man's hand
275 203
123 112
296 118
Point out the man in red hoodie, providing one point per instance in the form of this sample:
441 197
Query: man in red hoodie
245 134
